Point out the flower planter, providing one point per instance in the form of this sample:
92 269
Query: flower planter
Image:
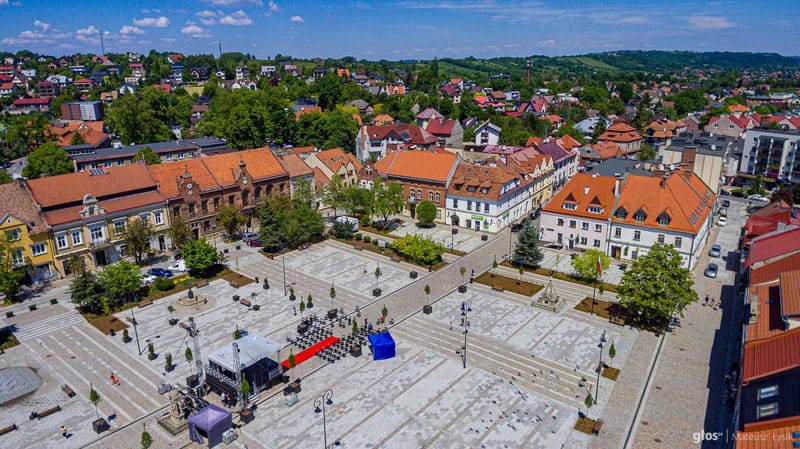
53 301
413 275
376 292
236 298
100 425
225 251
484 237
427 309
332 313
32 307
292 297
169 368
126 340
173 321
309 305
9 314
246 415
238 247
266 286
191 381
462 288
256 307
152 356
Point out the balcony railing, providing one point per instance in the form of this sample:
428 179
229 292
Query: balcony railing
99 243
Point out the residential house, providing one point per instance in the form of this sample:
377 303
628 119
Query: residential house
318 72
448 131
565 161
362 106
427 116
77 69
92 133
587 126
174 151
82 110
538 166
176 74
28 232
777 215
30 105
88 213
336 162
199 74
772 153
47 89
424 175
578 216
268 70
594 154
395 89
487 133
659 133
7 89
138 73
197 188
242 73
732 125
84 85
623 135
706 163
298 172
374 141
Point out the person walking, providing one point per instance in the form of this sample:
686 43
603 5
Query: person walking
63 430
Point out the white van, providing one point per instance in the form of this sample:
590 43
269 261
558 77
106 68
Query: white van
351 220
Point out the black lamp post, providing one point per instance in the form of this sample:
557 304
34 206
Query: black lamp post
466 307
319 406
599 367
136 332
285 287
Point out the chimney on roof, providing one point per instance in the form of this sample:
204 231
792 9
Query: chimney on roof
586 190
688 156
663 182
616 186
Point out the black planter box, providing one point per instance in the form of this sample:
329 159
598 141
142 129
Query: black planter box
462 288
99 425
126 340
53 301
191 381
32 307
292 297
484 237
238 246
266 286
169 368
173 321
246 415
152 356
413 275
332 313
256 307
309 305
376 292
225 250
427 309
355 350
236 298
9 314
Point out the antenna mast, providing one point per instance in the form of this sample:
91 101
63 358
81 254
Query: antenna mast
102 46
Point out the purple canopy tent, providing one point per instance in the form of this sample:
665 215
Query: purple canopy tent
211 421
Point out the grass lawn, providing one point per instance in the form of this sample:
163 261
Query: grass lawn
564 277
610 373
373 247
509 284
585 425
7 339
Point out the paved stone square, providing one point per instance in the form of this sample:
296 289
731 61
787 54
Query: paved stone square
466 240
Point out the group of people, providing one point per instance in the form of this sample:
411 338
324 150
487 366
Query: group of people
712 302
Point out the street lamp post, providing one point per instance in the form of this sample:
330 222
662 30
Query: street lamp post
136 332
319 406
599 367
466 307
285 287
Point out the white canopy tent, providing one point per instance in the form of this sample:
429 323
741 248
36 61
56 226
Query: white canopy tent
252 348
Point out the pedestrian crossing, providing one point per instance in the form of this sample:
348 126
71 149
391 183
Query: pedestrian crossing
48 326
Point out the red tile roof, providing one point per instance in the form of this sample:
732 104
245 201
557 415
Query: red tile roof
15 200
53 191
441 127
31 101
425 165
301 150
168 176
114 205
790 294
485 181
260 163
295 166
771 271
771 355
772 434
320 178
620 132
600 193
774 246
607 150
767 299
335 158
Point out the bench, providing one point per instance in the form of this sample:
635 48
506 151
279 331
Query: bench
48 412
395 259
617 321
598 425
145 304
67 390
497 288
245 302
8 429
203 283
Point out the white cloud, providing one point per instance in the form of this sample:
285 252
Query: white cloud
297 19
208 17
193 30
29 37
151 11
88 31
239 18
701 22
3 2
273 6
44 26
130 29
168 40
157 22
233 2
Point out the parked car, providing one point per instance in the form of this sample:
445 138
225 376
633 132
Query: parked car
179 267
516 227
255 242
247 236
759 198
725 193
160 272
148 279
715 251
738 194
712 270
722 221
723 211
726 203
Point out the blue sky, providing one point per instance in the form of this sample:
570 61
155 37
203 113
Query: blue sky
399 29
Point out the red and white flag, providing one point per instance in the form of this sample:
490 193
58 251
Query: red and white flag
599 266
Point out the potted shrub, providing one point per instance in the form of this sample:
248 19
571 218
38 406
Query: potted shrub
309 304
266 284
291 294
332 312
125 337
168 366
172 320
151 351
367 239
53 301
427 309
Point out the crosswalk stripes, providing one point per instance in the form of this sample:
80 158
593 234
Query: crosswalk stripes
48 325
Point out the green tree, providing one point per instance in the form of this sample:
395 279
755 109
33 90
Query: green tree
528 251
187 354
293 360
273 215
305 223
419 249
230 219
586 263
643 113
384 312
588 402
179 232
358 200
25 133
303 191
147 439
5 178
647 153
147 155
426 213
343 229
77 139
569 129
378 274
47 160
757 187
427 293
237 334
85 291
199 255
245 392
656 286
120 281
335 194
137 237
388 199
94 398
147 115
612 352
11 275
599 129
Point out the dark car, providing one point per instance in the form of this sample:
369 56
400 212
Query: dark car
738 194
725 193
255 242
726 203
160 272
516 227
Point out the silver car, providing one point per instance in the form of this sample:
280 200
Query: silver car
715 251
712 270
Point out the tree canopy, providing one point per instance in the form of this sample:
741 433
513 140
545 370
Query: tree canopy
656 286
137 237
528 251
10 275
119 282
146 116
421 250
147 155
586 263
426 213
47 160
199 255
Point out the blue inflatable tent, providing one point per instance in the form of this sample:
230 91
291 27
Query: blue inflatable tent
382 346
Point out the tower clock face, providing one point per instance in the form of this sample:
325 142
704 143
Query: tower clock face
244 180
189 186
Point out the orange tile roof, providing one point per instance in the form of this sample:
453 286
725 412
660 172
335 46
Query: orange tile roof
607 150
15 200
737 108
683 196
261 163
415 164
771 355
168 176
600 193
114 205
295 166
485 181
790 293
335 158
620 132
320 178
301 150
534 141
769 320
383 119
772 270
567 142
52 191
772 434
92 133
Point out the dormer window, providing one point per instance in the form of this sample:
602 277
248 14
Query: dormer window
640 215
621 213
595 209
471 189
570 206
484 190
664 219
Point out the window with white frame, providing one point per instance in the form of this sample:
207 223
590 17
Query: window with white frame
595 210
158 217
767 410
596 243
438 213
617 233
77 237
585 226
96 232
61 241
678 242
598 228
637 235
455 203
570 206
660 239
413 194
767 392
119 227
438 197
486 207
572 224
13 235
430 195
561 222
145 217
419 194
17 256
583 240
37 249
